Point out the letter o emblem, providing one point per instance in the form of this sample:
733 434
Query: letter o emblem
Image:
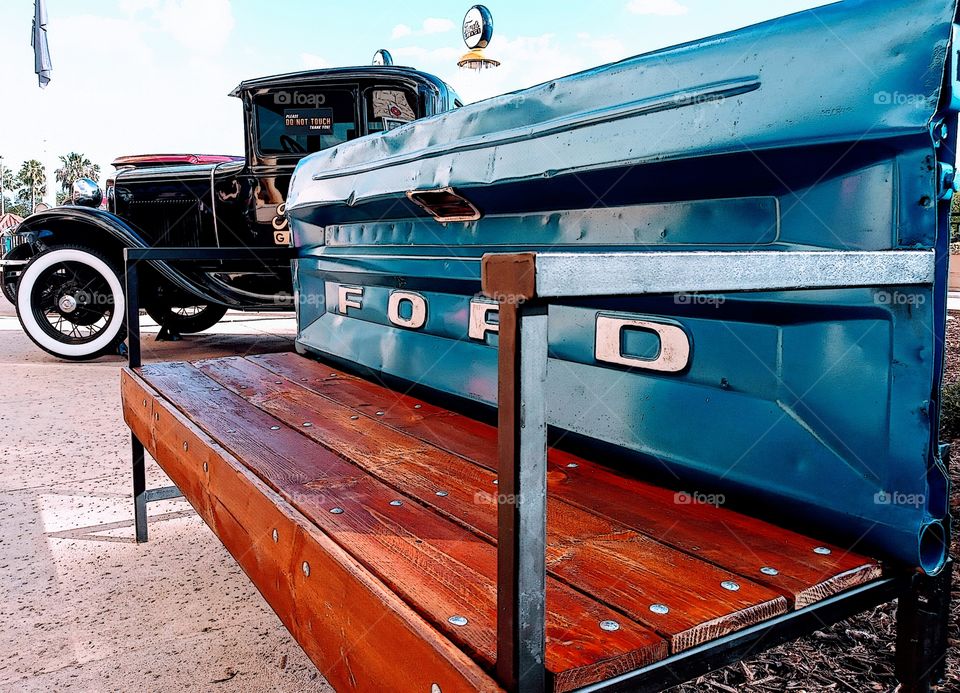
418 309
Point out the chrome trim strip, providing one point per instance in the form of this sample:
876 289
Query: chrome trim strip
622 274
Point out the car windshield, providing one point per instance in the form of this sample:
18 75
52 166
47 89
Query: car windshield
300 121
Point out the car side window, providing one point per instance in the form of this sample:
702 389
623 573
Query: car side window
390 107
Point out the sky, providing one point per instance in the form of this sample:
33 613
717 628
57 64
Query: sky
145 76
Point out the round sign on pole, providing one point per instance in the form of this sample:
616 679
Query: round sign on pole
477 27
382 57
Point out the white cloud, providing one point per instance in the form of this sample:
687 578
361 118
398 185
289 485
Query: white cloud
658 7
314 62
525 61
435 25
431 25
134 6
417 55
204 25
401 30
128 111
606 48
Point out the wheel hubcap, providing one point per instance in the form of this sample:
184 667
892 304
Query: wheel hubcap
67 304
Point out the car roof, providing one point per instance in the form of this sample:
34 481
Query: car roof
307 77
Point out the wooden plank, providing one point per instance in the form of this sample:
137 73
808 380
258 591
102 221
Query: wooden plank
439 567
584 550
728 539
137 400
359 634
743 544
184 452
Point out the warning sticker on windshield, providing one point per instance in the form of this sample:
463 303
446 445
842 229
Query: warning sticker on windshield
393 104
308 121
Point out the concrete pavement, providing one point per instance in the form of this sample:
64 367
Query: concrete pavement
82 607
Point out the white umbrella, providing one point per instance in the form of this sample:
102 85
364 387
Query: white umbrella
41 51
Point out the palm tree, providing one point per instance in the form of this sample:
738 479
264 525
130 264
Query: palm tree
32 179
7 183
75 165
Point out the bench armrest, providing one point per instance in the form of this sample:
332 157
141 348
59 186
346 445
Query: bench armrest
523 283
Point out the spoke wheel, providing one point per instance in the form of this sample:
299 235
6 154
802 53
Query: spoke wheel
70 303
186 319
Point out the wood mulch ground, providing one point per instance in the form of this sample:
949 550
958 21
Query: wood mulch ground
856 655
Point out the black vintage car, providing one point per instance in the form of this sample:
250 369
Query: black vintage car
62 267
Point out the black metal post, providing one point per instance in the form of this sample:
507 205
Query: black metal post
133 361
139 489
133 310
923 615
522 495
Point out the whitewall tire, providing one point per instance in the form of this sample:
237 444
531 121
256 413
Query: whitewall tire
70 302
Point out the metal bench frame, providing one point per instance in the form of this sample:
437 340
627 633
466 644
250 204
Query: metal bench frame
131 258
524 284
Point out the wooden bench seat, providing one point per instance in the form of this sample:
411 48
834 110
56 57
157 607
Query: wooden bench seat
368 520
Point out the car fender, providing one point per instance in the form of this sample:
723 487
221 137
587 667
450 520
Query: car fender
102 230
19 255
63 223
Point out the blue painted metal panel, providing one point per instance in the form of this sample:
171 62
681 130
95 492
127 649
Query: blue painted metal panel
813 131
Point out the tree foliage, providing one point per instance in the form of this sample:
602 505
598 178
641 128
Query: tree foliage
8 187
27 188
31 182
75 165
7 178
16 206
